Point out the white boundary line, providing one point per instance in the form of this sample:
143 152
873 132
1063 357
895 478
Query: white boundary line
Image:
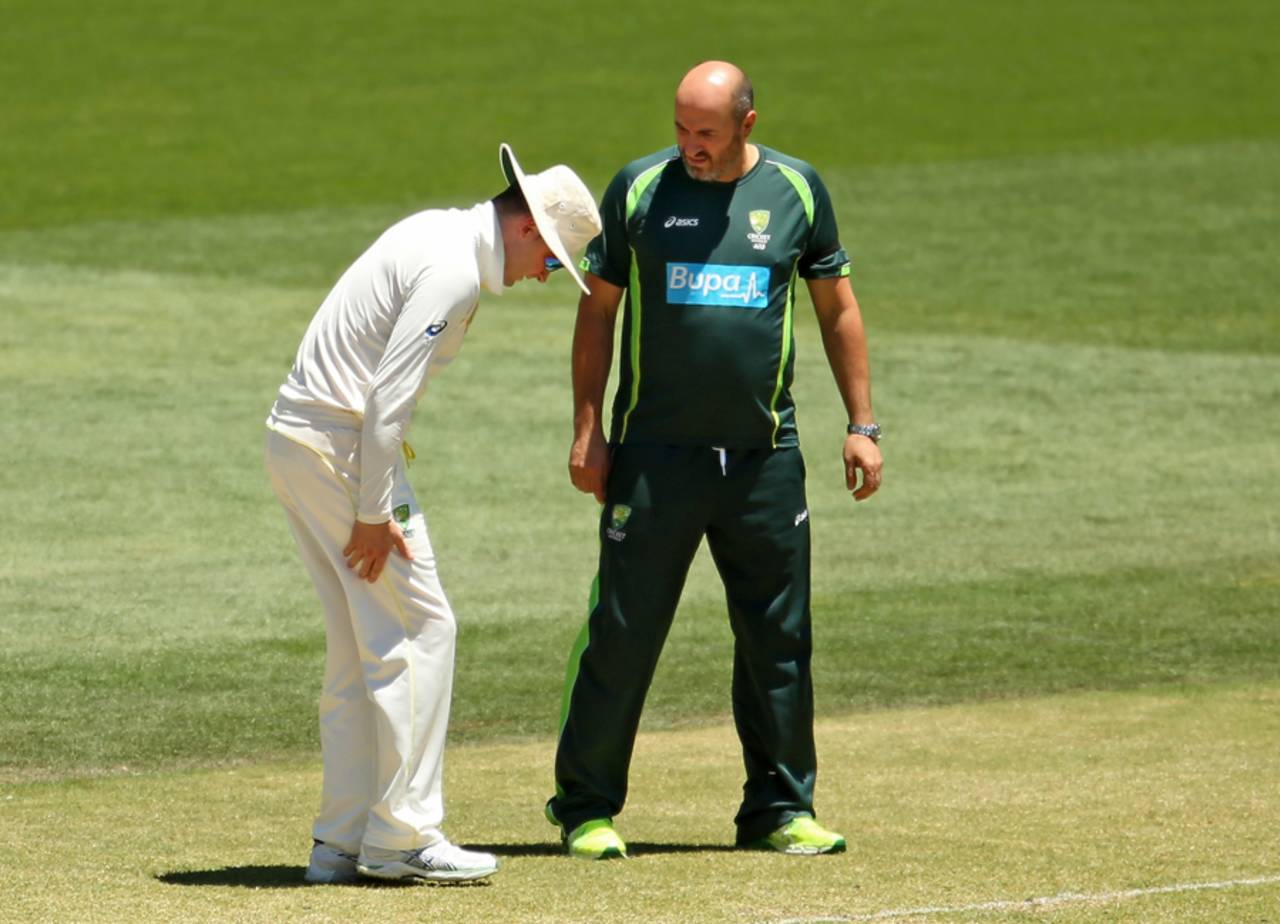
1063 898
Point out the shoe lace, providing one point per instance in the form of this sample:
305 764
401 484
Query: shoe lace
446 853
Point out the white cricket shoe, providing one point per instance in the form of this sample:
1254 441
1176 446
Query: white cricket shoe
330 865
440 862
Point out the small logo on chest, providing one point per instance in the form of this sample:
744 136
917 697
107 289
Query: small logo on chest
677 222
759 220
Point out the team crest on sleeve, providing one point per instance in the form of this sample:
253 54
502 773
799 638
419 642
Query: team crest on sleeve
759 220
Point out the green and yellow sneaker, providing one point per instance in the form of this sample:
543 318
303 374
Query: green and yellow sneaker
802 835
596 840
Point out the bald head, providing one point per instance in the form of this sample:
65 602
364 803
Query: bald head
717 86
714 118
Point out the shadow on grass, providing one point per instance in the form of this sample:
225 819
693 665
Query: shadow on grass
285 877
290 877
634 849
249 877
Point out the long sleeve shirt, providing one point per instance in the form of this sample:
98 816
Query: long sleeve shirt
394 319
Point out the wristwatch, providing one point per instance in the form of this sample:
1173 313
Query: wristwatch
870 431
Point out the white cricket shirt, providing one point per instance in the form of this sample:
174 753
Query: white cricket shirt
395 318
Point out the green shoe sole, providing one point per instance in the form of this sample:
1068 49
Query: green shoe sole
609 853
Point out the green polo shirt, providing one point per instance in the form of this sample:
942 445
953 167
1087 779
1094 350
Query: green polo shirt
710 274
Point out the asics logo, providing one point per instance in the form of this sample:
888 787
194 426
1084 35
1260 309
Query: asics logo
436 328
717 285
674 222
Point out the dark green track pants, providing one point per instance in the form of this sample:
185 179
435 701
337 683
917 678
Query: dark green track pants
750 505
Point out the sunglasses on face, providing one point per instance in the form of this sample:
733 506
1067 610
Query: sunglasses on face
552 264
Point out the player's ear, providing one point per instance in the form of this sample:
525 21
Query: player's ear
748 121
528 228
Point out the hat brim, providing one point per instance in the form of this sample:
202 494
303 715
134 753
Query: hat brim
514 175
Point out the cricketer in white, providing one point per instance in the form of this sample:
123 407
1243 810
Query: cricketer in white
394 319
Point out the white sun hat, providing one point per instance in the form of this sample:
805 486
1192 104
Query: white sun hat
561 205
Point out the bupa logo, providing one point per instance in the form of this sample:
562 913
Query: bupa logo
718 285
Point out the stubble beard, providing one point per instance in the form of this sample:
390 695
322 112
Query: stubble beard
730 165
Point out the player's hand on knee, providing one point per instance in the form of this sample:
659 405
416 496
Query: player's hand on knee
370 546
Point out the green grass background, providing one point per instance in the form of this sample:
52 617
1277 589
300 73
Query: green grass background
953 806
1064 219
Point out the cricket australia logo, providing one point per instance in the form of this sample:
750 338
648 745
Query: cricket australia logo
618 519
401 515
759 220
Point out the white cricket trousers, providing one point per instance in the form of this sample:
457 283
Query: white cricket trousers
388 677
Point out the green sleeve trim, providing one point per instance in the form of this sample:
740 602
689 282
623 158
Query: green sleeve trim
785 354
634 192
633 302
641 183
801 185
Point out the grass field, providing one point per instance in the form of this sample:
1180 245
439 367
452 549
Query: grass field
955 807
1048 652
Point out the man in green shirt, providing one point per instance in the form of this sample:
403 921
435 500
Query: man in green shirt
706 240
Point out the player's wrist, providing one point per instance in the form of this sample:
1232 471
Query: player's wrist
870 430
587 428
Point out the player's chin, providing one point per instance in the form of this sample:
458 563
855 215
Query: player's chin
698 172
